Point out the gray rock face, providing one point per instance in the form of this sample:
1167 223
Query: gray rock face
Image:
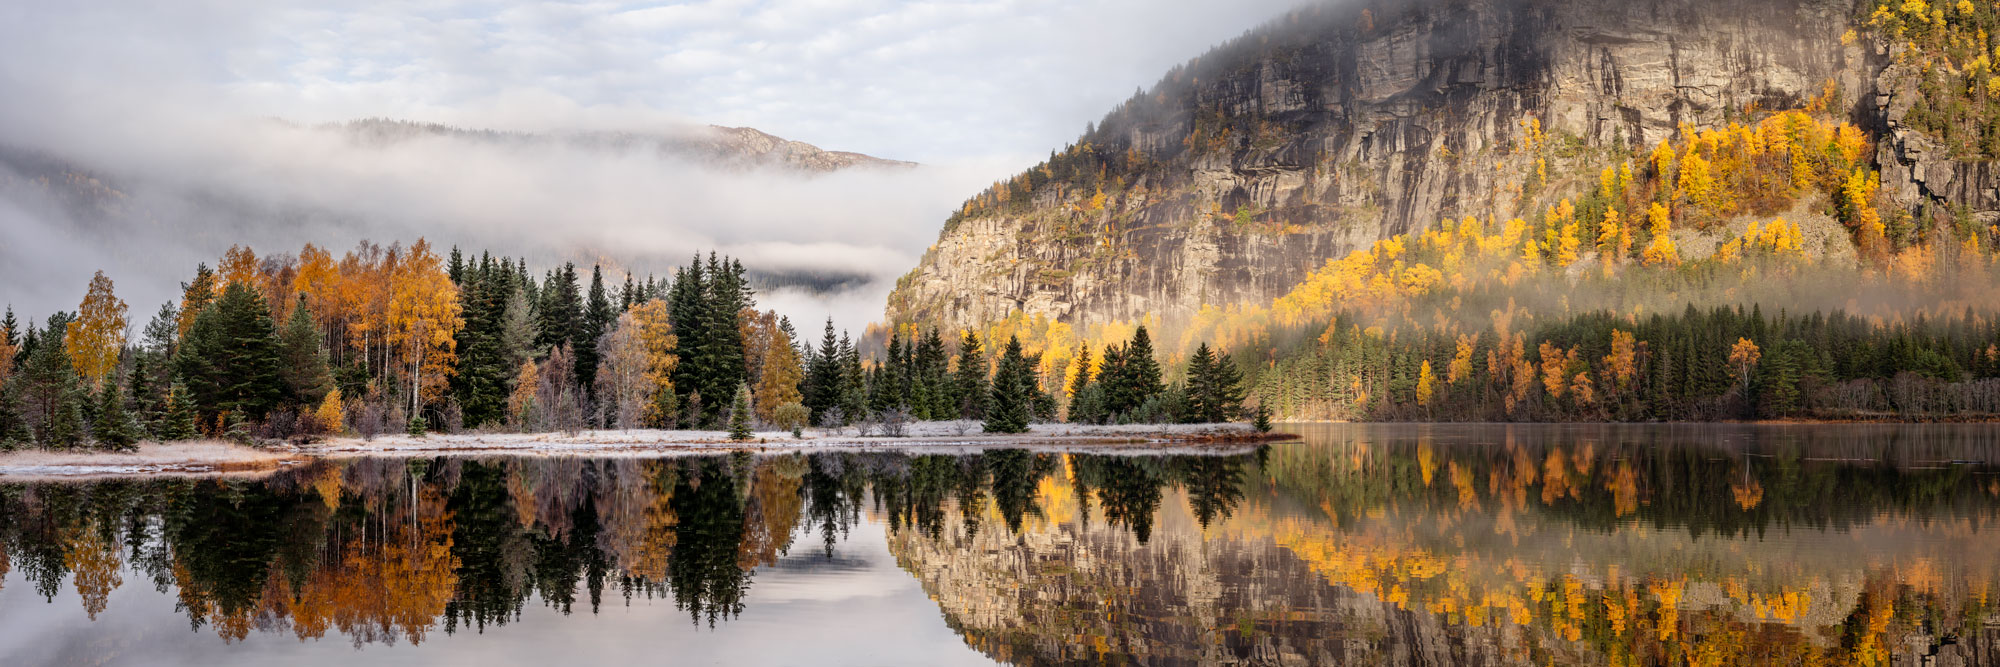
1915 168
1342 129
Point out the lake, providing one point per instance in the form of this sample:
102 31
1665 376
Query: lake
1357 544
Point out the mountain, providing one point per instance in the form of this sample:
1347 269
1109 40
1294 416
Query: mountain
1340 125
710 145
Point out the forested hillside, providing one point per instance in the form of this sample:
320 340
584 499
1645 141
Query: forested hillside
1370 205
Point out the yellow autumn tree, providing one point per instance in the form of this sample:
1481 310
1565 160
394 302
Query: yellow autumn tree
656 335
1461 362
239 265
1743 356
424 320
332 414
1425 380
1661 250
97 334
1623 362
521 403
780 381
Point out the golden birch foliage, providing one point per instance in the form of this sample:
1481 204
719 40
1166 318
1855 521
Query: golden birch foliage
780 382
522 402
1554 380
1743 356
239 265
331 414
1425 381
424 318
1696 182
97 334
1661 251
1624 358
1461 362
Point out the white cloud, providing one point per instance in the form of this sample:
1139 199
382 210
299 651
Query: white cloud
171 93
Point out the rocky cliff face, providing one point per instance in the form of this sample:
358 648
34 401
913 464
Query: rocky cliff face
1337 126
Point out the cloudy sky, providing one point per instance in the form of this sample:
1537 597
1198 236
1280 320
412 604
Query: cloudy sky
170 95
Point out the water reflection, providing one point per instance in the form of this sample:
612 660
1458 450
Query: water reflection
1372 544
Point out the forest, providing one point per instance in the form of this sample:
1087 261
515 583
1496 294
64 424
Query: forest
404 339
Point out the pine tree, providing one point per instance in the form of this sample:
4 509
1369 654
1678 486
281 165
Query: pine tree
1008 411
229 358
1262 419
854 381
1200 386
970 383
484 362
597 319
13 426
302 359
47 384
149 405
179 423
824 385
66 425
739 414
114 429
517 332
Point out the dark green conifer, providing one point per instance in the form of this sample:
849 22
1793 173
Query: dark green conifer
1009 408
114 428
739 414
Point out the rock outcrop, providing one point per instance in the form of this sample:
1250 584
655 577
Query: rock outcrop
1337 126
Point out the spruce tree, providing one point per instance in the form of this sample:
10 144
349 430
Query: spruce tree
1200 375
484 363
114 429
739 414
597 320
854 381
824 384
970 383
149 406
229 359
13 425
1008 411
179 422
302 360
1142 370
66 427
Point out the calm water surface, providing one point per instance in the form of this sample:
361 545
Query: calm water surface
1359 545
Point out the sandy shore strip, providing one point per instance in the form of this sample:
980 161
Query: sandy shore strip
214 457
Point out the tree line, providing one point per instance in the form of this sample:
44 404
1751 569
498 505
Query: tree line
1721 363
406 339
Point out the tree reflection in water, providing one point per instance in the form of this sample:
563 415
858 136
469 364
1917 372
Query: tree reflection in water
1474 544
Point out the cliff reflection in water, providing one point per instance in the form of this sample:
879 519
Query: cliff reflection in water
1373 544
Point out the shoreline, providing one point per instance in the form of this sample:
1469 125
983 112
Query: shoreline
216 458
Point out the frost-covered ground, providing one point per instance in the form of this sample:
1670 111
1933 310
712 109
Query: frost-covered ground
212 457
957 435
203 457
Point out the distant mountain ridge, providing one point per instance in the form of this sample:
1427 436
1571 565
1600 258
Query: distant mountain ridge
712 145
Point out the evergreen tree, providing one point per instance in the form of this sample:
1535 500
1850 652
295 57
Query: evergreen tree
114 428
1008 411
49 387
179 423
1214 387
149 406
854 392
739 414
484 363
66 425
597 320
824 378
229 357
517 331
13 425
302 360
560 311
969 382
932 393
